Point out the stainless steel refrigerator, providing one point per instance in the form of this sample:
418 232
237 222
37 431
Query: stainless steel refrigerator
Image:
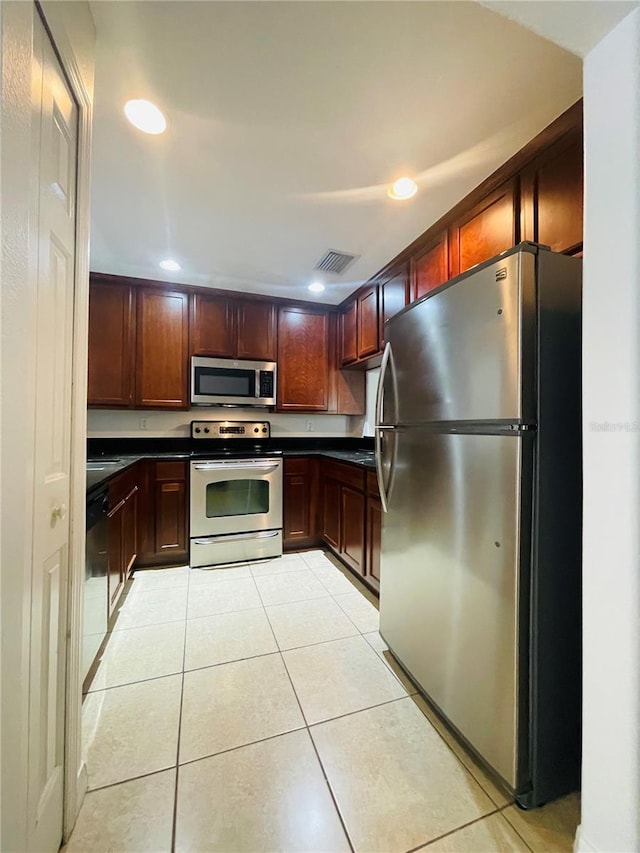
478 448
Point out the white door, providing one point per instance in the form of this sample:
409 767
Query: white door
55 164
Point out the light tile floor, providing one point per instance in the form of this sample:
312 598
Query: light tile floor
257 708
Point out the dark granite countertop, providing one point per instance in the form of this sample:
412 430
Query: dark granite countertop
106 458
103 468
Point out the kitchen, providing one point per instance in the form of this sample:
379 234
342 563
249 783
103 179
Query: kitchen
167 488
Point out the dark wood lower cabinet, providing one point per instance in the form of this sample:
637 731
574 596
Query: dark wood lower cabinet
374 536
331 513
164 513
300 503
352 539
351 515
122 533
170 517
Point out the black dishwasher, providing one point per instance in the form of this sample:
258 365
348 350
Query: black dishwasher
96 573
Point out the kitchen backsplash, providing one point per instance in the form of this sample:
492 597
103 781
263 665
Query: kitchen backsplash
110 423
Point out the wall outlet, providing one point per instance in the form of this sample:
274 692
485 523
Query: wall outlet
309 426
144 423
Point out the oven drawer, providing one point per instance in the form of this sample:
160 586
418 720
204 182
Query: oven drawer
237 548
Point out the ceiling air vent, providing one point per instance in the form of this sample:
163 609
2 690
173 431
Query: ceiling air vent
334 262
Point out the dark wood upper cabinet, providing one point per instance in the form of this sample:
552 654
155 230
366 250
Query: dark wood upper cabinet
256 330
303 359
394 296
348 333
368 342
485 230
430 268
162 361
232 328
552 198
212 326
111 345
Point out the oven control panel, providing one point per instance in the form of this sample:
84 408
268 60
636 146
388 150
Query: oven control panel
255 430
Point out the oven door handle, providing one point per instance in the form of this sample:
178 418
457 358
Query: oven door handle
236 537
234 466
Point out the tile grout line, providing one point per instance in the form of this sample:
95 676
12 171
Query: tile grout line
455 754
132 779
514 828
308 731
175 792
462 826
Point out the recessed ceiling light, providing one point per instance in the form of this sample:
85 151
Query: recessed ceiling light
145 116
402 188
316 287
171 266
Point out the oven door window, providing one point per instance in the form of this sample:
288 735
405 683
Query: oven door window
236 498
225 382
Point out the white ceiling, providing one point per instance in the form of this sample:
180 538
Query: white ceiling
288 120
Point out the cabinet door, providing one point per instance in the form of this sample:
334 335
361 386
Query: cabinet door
213 323
162 379
111 345
348 333
331 510
303 359
374 536
552 197
171 510
394 296
484 231
352 533
368 321
256 330
170 517
430 269
300 502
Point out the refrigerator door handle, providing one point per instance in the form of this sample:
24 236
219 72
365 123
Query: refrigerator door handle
379 474
386 365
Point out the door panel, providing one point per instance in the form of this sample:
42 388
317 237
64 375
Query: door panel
256 331
54 296
352 518
450 580
460 354
162 380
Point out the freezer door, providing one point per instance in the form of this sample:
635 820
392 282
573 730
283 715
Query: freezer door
450 580
467 351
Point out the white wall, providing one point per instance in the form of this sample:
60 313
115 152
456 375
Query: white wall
371 390
611 739
116 424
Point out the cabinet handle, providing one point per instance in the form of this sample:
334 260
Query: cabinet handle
118 506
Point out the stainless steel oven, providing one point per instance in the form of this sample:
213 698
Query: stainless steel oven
236 500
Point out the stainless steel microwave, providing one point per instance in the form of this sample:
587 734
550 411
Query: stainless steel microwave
231 382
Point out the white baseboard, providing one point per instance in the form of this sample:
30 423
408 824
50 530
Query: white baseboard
581 844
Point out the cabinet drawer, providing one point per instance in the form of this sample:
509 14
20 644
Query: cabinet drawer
347 474
372 484
171 470
297 465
